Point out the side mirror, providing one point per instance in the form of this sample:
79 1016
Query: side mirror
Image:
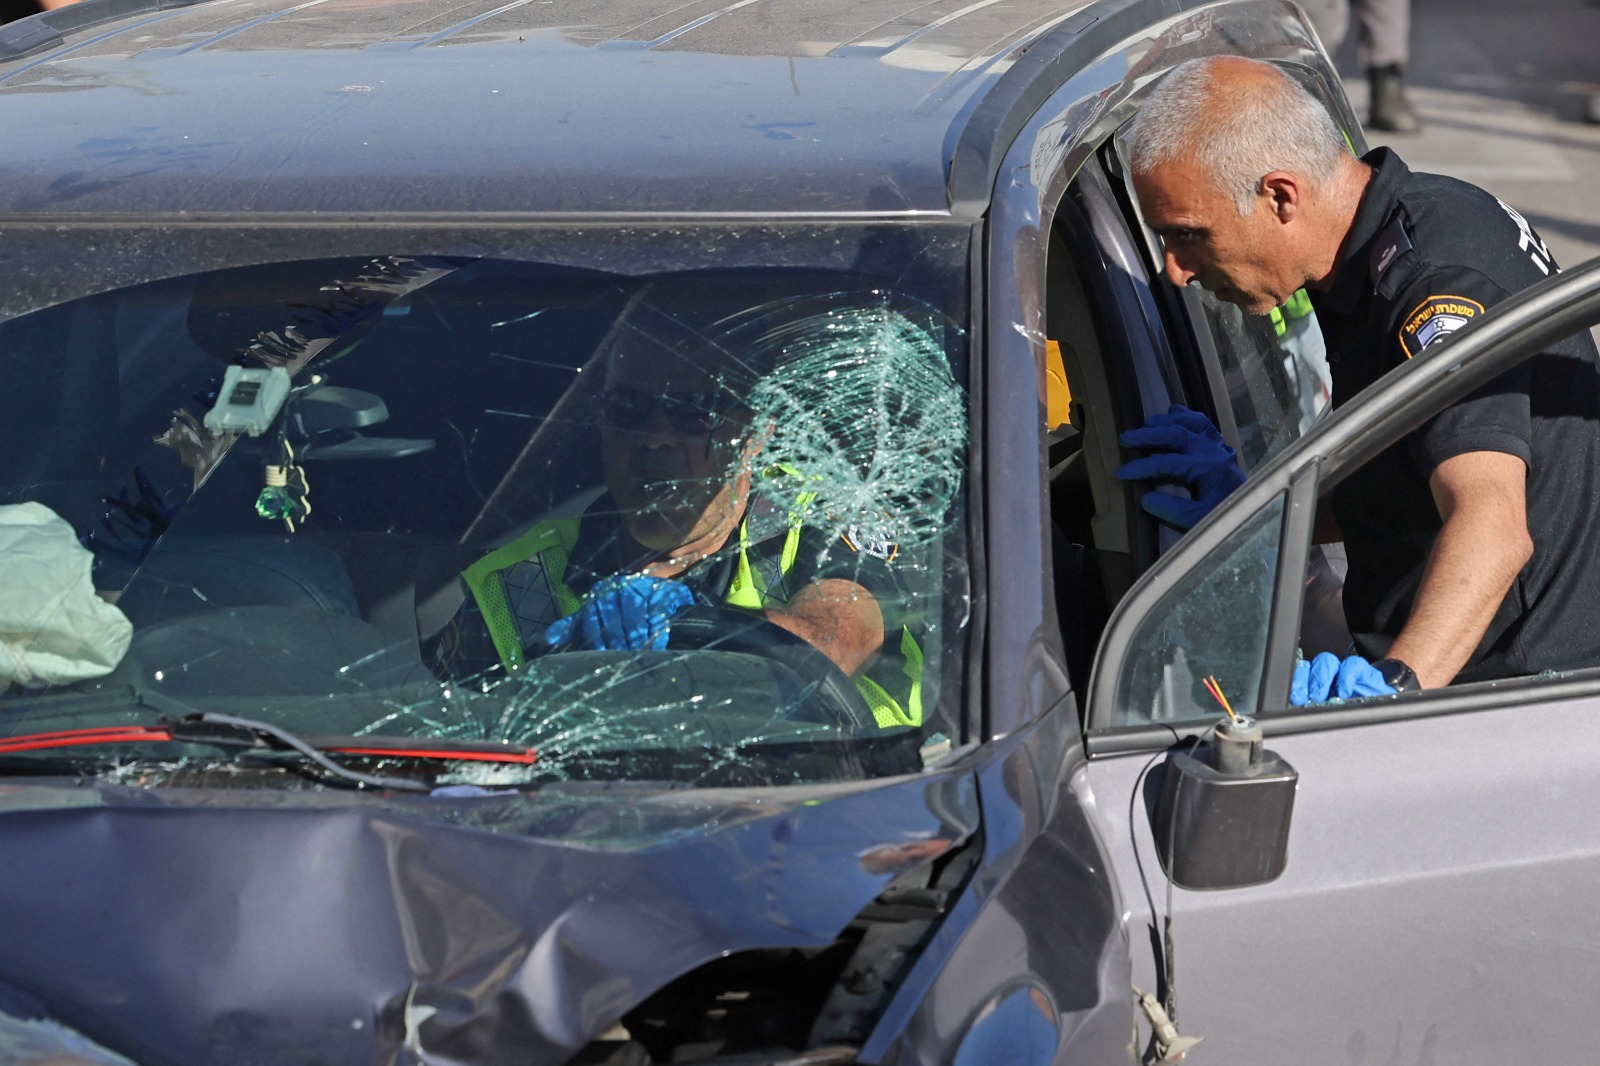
1222 819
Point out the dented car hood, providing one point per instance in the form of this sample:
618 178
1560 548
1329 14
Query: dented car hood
197 926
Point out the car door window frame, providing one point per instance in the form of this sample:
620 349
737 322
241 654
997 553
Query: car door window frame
1370 422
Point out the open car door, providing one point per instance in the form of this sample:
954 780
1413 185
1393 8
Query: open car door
1442 856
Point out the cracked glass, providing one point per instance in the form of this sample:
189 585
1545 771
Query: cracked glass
1213 626
476 522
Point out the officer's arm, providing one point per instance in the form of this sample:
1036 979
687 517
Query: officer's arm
1483 545
838 617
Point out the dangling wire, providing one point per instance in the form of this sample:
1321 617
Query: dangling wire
1215 689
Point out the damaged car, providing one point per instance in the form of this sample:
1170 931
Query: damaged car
585 534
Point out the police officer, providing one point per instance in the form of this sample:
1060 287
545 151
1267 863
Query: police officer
1471 543
682 524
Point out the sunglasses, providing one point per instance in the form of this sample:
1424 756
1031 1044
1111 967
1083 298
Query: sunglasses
685 412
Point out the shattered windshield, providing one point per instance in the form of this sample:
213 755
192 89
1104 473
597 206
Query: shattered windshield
527 520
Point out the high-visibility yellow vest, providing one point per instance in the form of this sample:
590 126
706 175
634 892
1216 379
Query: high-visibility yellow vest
550 545
1295 308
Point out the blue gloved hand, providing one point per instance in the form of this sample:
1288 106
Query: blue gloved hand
1326 677
1191 450
626 612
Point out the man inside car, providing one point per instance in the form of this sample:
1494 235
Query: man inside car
1461 539
683 528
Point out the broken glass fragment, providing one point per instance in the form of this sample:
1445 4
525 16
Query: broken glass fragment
862 404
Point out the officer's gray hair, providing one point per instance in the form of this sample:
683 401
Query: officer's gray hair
1257 129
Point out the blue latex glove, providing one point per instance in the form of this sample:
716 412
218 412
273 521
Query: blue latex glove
1190 449
623 613
1326 677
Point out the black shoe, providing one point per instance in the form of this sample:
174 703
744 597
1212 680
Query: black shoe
1391 110
1591 109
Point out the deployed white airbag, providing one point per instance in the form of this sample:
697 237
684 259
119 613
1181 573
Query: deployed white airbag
53 628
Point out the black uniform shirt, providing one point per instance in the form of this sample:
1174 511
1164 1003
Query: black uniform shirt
1427 254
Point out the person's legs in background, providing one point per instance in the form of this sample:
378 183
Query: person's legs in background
1383 39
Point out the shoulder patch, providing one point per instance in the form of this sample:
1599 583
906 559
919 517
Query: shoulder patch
879 546
1435 317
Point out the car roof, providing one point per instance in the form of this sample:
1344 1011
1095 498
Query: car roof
586 107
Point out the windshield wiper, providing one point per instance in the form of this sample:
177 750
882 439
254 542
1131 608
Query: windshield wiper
224 730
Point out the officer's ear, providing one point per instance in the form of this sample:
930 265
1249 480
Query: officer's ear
1284 194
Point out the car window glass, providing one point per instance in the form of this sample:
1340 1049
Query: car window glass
377 498
1274 369
1212 624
